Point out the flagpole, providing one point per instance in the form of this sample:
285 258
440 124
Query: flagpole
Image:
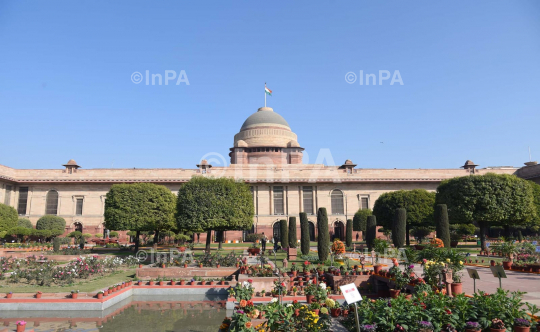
264 94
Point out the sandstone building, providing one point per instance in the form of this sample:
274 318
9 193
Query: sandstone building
266 154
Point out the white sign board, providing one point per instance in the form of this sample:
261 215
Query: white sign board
350 291
535 242
488 244
537 249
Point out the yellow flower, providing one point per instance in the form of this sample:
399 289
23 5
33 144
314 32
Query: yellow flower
448 260
461 262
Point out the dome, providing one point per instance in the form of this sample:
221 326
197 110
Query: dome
240 144
265 116
293 144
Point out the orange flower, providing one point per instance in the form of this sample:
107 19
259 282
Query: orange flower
243 303
248 324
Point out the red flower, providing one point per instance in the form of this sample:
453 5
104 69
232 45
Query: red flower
295 301
448 311
250 281
282 284
306 263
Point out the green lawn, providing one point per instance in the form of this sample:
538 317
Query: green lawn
91 286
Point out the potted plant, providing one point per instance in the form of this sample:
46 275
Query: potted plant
74 294
522 325
222 281
100 294
182 282
425 326
263 293
211 282
38 295
173 282
448 328
193 282
21 325
472 327
508 249
151 282
497 325
315 307
294 269
310 291
401 279
9 295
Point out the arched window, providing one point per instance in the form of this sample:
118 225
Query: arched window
51 205
339 230
337 201
78 226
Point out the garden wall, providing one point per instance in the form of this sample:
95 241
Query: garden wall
187 272
266 283
360 281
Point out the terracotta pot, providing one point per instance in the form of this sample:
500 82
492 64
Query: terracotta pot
185 265
457 288
140 266
200 266
507 265
522 328
173 282
309 298
222 282
20 328
301 283
192 283
294 273
139 283
9 296
316 311
335 312
38 296
492 263
211 283
151 283
100 296
105 293
394 293
496 330
217 266
377 268
182 282
181 249
162 266
161 283
74 295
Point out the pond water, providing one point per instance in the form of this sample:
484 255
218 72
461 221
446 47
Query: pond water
137 314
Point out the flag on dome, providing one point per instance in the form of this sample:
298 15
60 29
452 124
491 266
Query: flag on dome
268 91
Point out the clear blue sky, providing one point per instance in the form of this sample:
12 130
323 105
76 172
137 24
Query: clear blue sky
470 70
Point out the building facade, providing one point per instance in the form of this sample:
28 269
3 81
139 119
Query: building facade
265 153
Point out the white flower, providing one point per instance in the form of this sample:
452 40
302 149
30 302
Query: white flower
273 300
322 285
310 281
289 305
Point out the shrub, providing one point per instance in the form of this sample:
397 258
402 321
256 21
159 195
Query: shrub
284 233
87 235
399 227
24 222
421 233
304 233
442 225
348 233
56 244
113 234
324 236
8 217
371 231
360 219
292 232
52 223
76 235
249 238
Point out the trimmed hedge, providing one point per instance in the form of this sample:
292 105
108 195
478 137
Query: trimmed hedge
52 223
399 227
292 232
324 236
284 234
8 217
442 225
371 231
23 222
360 219
304 233
348 233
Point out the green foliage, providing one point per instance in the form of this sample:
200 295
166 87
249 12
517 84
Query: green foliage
8 217
442 225
304 233
24 222
284 231
87 235
113 234
76 235
52 223
81 242
371 231
348 233
214 204
56 244
292 232
464 229
324 236
399 227
253 237
360 219
139 207
418 203
490 198
421 232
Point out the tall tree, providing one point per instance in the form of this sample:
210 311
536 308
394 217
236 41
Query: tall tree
323 241
220 204
486 199
139 207
284 230
418 203
304 233
371 231
292 232
360 220
398 227
442 225
348 233
8 217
